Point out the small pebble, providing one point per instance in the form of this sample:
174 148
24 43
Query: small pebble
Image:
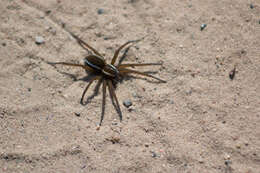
63 25
4 44
154 154
136 95
114 123
51 30
188 92
179 30
127 103
130 110
238 146
29 89
226 156
77 114
39 40
251 6
100 11
201 160
227 162
20 41
203 26
132 1
106 38
48 12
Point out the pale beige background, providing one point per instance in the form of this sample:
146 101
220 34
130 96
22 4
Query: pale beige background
199 121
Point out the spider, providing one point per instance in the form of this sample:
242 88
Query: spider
106 74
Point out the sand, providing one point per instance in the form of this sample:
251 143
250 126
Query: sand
199 121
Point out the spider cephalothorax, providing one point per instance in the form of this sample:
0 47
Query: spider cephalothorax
106 73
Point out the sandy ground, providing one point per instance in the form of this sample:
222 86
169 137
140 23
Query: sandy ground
199 121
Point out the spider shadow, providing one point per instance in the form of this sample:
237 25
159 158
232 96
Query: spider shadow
96 89
72 76
86 79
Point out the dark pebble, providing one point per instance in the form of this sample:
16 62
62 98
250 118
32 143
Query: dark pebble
63 25
232 74
127 103
48 12
29 89
189 92
251 6
77 114
132 1
114 123
108 37
136 95
4 44
20 41
154 154
100 11
227 162
39 40
203 26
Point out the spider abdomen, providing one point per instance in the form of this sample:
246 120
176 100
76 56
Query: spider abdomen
99 64
95 62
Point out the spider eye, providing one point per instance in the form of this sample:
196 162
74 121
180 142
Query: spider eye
95 62
110 70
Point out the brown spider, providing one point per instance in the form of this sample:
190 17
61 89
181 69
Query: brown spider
105 73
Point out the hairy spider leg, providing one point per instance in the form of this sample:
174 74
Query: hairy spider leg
120 48
103 101
113 96
83 44
85 90
126 71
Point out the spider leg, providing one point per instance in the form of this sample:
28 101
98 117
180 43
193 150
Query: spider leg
71 64
121 47
135 65
85 90
125 71
84 45
103 101
113 95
